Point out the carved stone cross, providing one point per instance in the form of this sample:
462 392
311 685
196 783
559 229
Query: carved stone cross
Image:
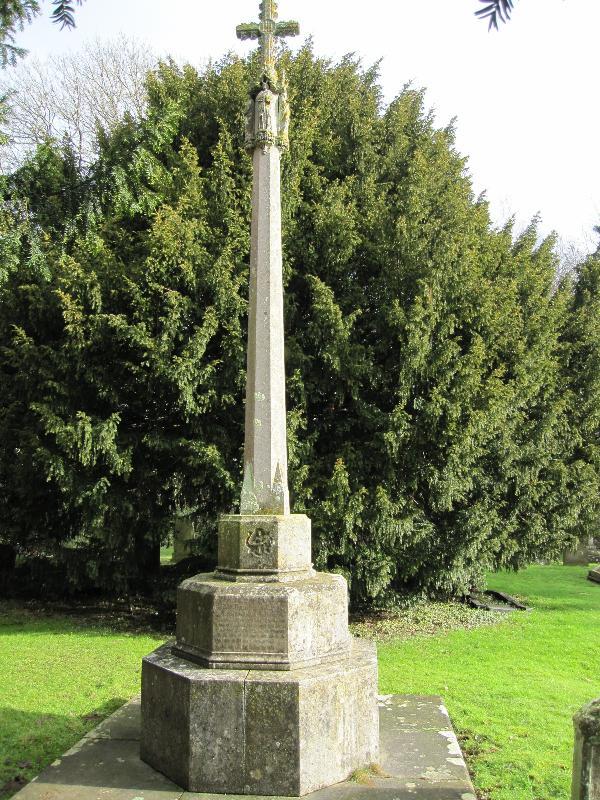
265 487
264 693
267 31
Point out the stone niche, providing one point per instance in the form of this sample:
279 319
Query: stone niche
264 691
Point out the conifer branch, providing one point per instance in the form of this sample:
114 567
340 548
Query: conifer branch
64 13
15 13
495 10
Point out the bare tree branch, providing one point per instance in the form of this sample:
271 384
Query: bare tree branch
73 96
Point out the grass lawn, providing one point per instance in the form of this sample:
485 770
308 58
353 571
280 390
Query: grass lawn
58 679
512 689
511 686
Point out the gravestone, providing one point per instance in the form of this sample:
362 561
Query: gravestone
582 554
264 691
594 575
184 539
586 759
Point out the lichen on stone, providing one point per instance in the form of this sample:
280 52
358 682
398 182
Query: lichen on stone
587 720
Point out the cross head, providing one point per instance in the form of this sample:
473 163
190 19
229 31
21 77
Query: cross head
267 31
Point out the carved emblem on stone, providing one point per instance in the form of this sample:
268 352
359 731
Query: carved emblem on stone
260 542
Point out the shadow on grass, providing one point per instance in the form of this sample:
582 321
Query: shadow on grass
30 742
17 619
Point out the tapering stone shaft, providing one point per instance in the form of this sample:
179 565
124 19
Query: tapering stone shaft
265 450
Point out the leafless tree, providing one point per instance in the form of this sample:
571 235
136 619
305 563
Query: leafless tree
73 95
573 253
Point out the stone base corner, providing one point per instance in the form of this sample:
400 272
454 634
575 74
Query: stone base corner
260 732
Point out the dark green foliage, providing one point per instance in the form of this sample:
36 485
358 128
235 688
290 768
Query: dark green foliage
582 367
430 409
122 369
13 16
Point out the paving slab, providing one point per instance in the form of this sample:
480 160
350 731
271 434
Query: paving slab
420 760
101 769
123 724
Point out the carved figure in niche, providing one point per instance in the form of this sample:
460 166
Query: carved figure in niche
264 110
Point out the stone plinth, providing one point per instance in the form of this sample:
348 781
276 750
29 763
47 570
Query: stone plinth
586 760
260 732
272 625
265 546
264 692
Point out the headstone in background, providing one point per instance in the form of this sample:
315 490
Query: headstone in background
184 538
582 554
586 759
594 575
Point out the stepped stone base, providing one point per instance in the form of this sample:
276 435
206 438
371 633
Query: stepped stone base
260 732
288 625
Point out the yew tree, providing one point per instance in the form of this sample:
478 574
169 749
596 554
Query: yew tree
430 403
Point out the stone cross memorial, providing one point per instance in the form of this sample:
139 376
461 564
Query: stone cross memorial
264 691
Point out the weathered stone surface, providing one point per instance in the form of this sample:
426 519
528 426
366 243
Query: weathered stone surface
267 31
262 625
116 773
415 712
185 539
123 724
419 743
594 575
193 722
259 732
265 547
101 769
265 488
586 757
279 703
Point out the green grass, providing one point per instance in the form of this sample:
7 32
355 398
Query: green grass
58 679
512 689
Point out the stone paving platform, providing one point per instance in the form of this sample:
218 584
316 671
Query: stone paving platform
420 760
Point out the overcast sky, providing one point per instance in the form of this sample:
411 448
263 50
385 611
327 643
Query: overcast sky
525 99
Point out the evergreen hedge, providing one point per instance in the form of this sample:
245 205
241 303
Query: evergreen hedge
443 391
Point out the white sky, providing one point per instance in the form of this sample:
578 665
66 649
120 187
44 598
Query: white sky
526 98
